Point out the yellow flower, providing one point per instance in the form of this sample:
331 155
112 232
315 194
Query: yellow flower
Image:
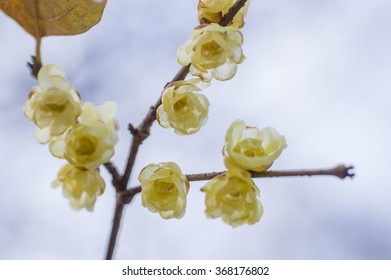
80 186
86 146
183 108
233 197
91 142
252 149
213 51
53 105
164 189
212 11
105 113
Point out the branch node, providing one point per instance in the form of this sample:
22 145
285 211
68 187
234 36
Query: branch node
128 195
34 66
132 129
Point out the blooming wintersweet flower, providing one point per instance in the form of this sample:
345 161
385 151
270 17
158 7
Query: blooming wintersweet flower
86 146
183 108
251 149
213 51
54 105
212 11
105 112
80 186
164 189
91 142
233 197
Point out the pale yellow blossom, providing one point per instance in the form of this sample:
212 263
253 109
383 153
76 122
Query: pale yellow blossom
105 112
80 186
164 189
213 51
183 108
91 142
252 149
212 11
233 197
53 106
86 146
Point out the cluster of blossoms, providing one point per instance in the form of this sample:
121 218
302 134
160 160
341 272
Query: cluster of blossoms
213 51
84 135
233 195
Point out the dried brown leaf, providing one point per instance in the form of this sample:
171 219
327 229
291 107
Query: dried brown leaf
54 17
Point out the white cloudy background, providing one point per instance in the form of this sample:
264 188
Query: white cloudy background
318 71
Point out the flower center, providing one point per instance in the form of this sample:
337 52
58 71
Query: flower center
250 147
182 104
164 187
85 145
233 197
211 49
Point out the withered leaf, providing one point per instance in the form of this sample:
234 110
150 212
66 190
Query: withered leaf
54 17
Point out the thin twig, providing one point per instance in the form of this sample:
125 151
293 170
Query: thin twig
112 169
340 171
36 63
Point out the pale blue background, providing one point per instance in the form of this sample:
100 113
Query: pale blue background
318 71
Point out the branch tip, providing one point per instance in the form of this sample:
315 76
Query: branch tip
342 171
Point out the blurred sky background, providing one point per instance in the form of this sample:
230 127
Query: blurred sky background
318 71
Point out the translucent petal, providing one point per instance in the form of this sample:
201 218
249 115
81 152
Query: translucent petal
59 82
185 53
42 135
46 72
225 72
57 147
162 117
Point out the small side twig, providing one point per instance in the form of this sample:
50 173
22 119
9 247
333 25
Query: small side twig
116 177
340 171
35 65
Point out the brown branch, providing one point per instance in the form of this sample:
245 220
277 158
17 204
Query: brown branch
143 130
116 178
119 208
139 135
125 196
229 16
340 171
